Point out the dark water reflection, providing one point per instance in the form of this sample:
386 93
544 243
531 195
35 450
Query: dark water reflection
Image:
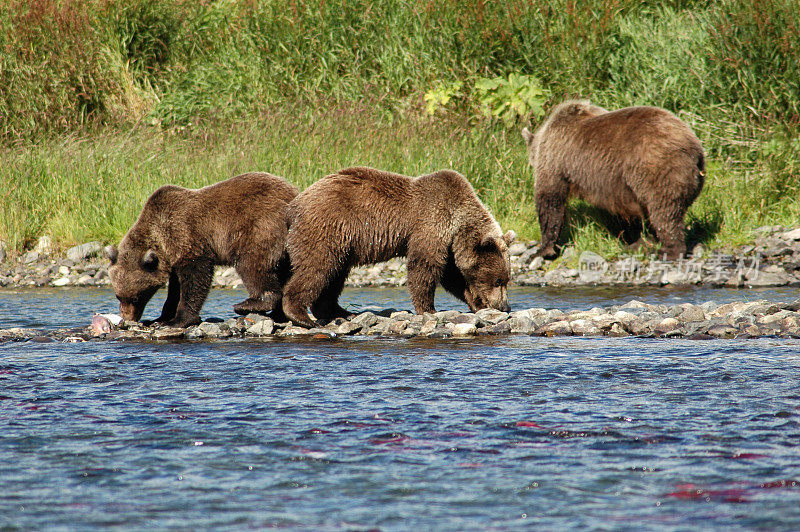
492 433
73 307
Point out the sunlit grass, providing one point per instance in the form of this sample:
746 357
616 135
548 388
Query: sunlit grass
79 189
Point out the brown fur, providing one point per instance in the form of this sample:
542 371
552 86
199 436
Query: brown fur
362 215
182 234
636 162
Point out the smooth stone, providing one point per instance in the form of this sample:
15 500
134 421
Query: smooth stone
773 318
667 325
446 315
517 248
503 327
467 317
760 278
491 315
397 327
294 330
30 257
722 331
794 234
63 281
617 330
584 327
536 263
84 251
428 327
556 328
169 333
262 327
348 328
365 319
464 329
194 332
521 325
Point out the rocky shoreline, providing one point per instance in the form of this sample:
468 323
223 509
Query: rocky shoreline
706 321
772 259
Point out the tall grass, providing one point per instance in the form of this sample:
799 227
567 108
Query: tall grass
69 61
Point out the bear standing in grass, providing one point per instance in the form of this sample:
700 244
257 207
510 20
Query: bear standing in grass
362 215
182 234
637 162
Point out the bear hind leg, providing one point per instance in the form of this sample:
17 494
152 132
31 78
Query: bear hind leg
670 231
326 307
551 206
305 287
261 277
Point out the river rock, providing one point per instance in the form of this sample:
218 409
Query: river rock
30 257
536 263
261 327
556 328
667 325
464 329
583 327
446 315
467 317
348 328
794 234
169 333
365 319
617 330
722 331
758 279
84 251
517 248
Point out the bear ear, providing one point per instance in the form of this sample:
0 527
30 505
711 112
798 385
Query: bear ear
150 261
509 237
488 243
112 254
527 135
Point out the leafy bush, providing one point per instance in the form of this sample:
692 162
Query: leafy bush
511 99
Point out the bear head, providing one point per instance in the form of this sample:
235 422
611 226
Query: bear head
487 275
137 272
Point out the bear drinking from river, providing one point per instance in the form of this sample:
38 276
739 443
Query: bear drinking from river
182 234
638 163
362 215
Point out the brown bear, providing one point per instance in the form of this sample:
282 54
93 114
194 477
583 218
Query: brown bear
362 216
181 234
640 163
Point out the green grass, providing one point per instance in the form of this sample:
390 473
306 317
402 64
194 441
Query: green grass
77 189
104 100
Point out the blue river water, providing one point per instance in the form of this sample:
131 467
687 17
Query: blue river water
499 433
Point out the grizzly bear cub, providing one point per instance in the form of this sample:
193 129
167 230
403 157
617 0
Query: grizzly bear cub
362 215
637 162
181 234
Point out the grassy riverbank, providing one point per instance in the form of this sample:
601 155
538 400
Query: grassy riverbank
103 101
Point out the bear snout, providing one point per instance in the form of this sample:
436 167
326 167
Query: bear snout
130 311
497 298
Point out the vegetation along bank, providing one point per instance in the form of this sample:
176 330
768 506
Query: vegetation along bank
103 101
